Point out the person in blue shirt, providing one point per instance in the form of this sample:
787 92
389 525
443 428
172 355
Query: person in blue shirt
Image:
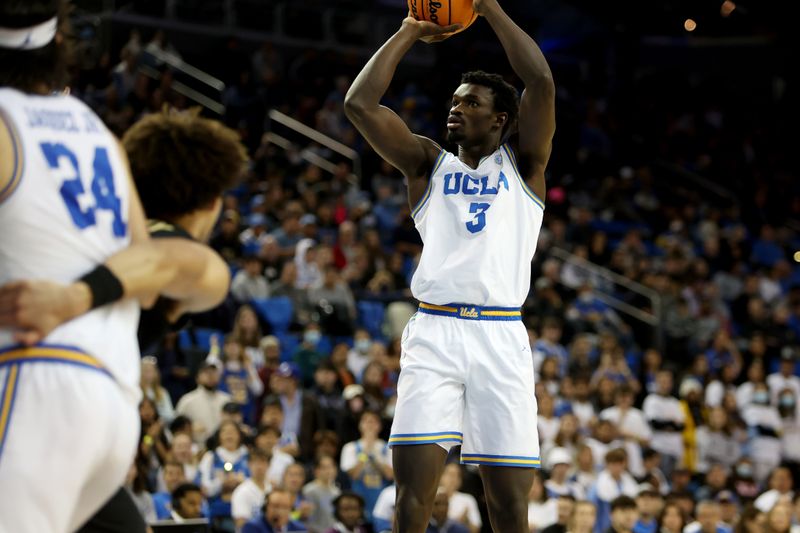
275 519
649 502
173 477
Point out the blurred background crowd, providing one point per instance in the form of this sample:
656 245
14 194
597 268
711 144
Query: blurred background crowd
664 311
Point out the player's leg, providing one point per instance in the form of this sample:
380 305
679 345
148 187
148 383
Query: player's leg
507 490
118 426
417 471
428 416
51 443
500 431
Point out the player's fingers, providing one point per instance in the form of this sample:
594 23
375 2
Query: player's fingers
27 337
11 316
451 28
9 293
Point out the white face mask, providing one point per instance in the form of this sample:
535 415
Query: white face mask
312 336
362 345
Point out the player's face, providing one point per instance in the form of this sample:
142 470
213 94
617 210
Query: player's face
350 512
191 505
278 509
472 115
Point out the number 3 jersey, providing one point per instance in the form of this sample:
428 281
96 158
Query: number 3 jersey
479 228
63 212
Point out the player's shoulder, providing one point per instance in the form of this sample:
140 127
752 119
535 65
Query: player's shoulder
433 150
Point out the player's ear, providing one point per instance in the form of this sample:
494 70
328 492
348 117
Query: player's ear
501 119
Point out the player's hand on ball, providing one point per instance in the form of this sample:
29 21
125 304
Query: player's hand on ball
428 31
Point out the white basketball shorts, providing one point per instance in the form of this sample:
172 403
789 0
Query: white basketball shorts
68 434
467 378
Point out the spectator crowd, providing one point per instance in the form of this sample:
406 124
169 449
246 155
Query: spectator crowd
274 409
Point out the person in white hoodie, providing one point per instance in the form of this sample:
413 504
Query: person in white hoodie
666 417
764 427
612 482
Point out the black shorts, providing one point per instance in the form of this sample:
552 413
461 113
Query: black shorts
118 515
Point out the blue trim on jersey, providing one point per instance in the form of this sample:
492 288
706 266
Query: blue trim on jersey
51 353
7 400
532 195
19 159
402 439
429 188
519 461
471 312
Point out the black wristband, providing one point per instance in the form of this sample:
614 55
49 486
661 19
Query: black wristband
104 286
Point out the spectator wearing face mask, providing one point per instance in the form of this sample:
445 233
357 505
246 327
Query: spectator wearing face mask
785 377
764 427
790 417
743 481
307 356
358 358
664 414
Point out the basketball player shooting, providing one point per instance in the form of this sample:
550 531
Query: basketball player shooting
467 372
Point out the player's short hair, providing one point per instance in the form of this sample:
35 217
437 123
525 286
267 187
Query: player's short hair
257 453
506 97
617 455
347 495
181 491
623 502
268 428
26 69
182 162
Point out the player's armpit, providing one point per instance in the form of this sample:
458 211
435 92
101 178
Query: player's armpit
201 277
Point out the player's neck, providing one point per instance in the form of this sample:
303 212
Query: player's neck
194 225
473 155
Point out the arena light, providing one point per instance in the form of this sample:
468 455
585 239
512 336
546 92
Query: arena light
689 25
727 8
797 257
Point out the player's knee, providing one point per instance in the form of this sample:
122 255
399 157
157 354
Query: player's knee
411 506
510 512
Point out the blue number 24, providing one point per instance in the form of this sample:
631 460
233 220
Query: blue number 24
479 222
57 155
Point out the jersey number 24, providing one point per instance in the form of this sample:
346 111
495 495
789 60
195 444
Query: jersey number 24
62 159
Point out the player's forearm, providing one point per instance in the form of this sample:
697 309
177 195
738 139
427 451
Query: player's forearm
143 269
201 278
373 81
140 269
523 53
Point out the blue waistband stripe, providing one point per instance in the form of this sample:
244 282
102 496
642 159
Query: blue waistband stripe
471 312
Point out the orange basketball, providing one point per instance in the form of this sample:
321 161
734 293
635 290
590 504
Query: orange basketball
443 12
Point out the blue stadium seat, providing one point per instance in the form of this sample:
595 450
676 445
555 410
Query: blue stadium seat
370 317
289 343
199 337
276 311
325 345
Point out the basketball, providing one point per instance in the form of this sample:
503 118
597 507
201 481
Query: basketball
444 12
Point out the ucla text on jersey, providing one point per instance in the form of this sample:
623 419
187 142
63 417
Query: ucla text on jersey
479 228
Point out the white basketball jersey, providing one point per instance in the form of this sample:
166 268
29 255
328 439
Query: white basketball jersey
64 212
479 228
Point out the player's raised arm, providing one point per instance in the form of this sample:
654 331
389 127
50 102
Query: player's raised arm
537 122
384 130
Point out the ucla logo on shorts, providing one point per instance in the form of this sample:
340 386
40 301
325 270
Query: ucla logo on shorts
498 159
468 312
